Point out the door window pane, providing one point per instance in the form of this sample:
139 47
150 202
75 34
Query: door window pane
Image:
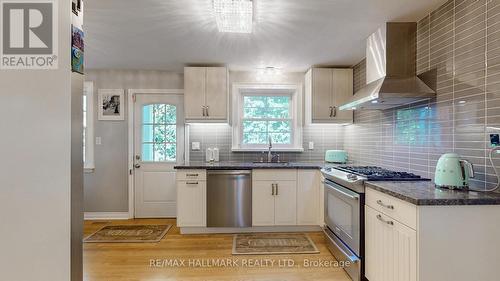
159 133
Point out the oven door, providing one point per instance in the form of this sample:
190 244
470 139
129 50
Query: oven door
342 214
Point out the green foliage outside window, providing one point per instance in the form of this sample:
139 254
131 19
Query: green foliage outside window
159 133
265 116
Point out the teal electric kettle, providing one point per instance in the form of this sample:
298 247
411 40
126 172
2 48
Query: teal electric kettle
453 172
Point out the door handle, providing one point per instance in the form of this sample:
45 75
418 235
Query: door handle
334 111
203 110
272 187
277 189
331 112
137 166
206 109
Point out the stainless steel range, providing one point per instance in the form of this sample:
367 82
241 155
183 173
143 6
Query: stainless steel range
344 210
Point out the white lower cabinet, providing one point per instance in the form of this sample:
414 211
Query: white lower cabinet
309 197
262 203
191 202
274 203
286 197
285 203
391 248
274 197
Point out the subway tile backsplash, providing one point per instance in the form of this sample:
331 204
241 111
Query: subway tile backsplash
461 41
324 136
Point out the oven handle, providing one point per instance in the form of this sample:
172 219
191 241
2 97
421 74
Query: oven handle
336 189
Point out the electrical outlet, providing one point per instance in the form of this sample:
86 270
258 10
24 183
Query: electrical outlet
494 140
311 145
195 145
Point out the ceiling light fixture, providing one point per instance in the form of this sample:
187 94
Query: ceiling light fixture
235 16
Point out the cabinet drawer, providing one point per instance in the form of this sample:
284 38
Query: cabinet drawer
395 208
191 175
274 174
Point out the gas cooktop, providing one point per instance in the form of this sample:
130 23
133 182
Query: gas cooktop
374 173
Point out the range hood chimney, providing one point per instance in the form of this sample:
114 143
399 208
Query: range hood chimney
391 70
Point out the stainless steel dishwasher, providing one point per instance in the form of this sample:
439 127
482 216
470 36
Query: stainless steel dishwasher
229 198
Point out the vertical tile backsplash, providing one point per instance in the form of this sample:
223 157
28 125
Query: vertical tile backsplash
219 135
461 41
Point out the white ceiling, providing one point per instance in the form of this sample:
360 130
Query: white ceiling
289 34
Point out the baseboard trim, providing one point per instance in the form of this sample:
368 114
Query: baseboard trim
211 230
106 216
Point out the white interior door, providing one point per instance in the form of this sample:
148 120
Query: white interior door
158 147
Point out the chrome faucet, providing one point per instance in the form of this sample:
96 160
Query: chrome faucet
269 154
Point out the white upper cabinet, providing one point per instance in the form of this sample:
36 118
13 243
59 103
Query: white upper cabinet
326 90
206 94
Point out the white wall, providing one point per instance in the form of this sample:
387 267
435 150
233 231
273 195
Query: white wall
106 189
35 142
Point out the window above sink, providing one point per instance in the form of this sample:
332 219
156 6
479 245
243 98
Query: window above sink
261 111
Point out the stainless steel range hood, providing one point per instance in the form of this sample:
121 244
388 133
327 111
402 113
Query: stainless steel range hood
391 70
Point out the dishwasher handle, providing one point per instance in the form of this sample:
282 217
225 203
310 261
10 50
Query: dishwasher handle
230 172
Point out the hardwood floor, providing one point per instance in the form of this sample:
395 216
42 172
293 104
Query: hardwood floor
131 261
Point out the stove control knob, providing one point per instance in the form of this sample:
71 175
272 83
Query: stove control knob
352 177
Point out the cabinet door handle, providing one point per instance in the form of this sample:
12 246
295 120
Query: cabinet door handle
207 110
192 182
379 217
203 110
334 111
191 175
277 189
272 187
331 112
385 205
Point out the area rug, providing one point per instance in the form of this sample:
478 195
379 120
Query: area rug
273 244
129 234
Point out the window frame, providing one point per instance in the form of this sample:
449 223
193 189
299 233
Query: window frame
293 90
88 92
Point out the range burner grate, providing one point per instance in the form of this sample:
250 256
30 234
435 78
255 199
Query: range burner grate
374 173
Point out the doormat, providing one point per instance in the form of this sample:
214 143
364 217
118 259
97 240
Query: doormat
273 244
129 234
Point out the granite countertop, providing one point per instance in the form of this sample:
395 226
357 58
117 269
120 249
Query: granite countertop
250 165
425 193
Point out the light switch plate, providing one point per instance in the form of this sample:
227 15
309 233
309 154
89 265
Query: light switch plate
195 145
311 145
98 141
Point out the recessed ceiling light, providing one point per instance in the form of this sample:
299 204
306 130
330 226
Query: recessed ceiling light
234 16
374 101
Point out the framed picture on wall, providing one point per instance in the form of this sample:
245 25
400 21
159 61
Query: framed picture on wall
111 104
77 47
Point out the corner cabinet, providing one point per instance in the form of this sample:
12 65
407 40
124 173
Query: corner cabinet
206 94
326 89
